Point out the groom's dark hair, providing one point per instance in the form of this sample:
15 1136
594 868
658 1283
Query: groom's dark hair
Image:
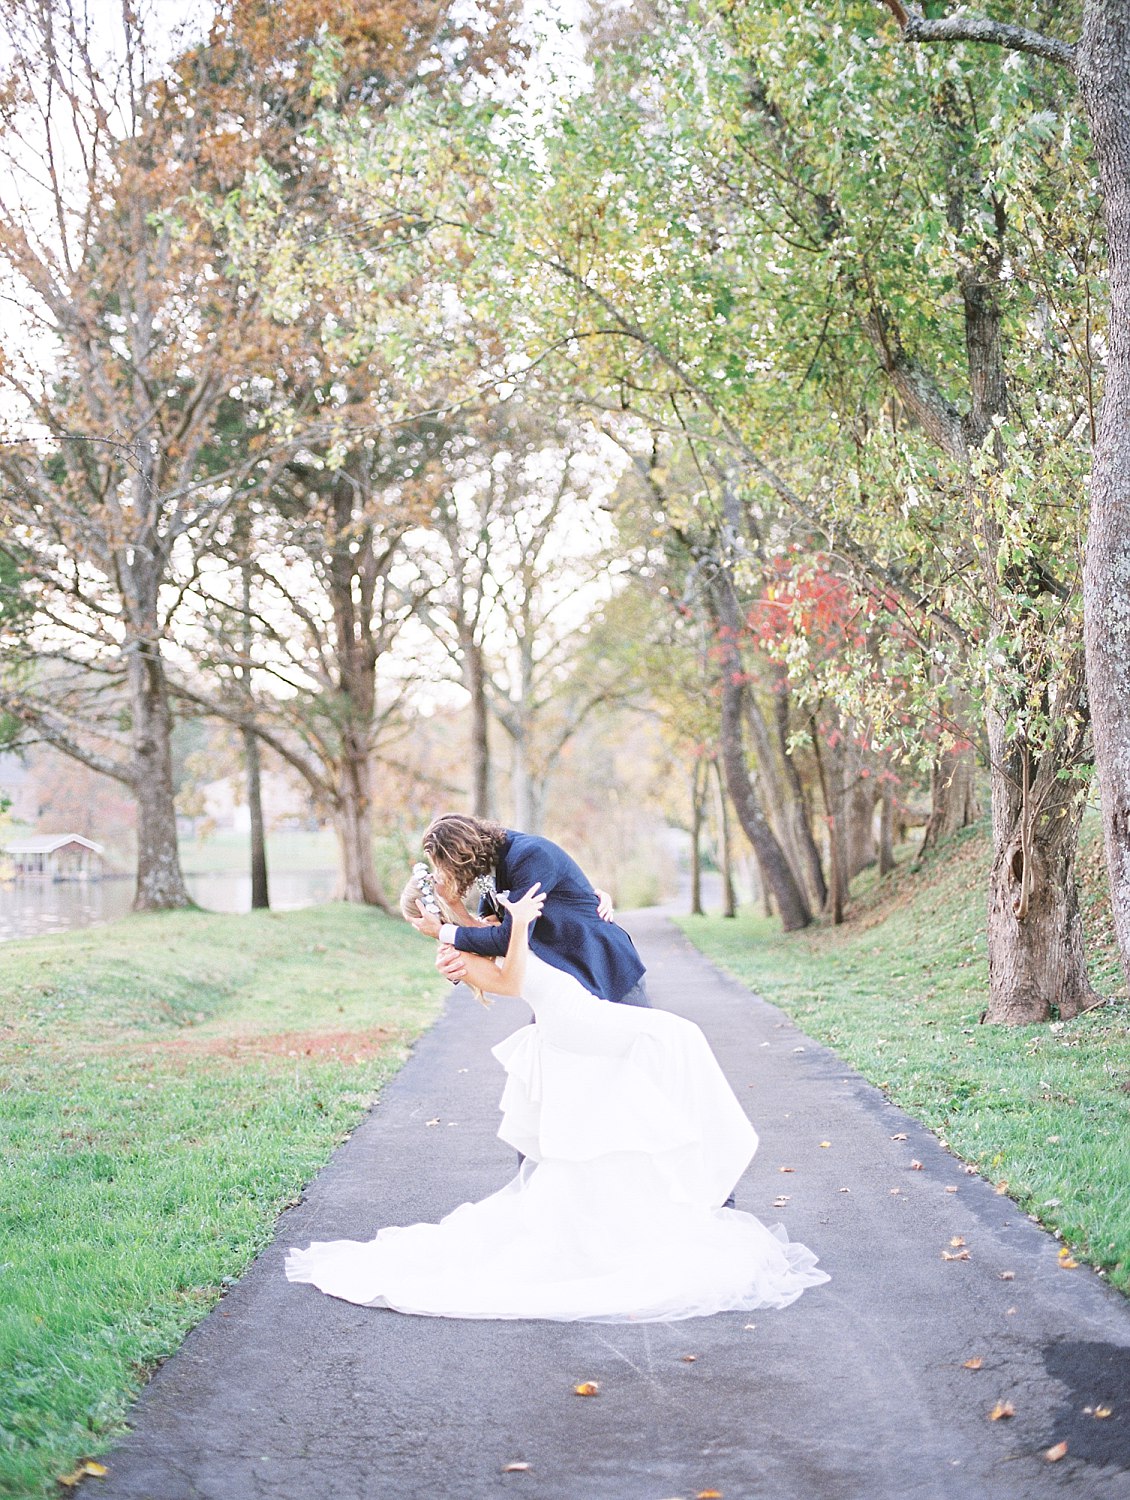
467 847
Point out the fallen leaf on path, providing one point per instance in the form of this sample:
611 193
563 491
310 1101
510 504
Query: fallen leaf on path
1008 1312
951 1190
587 1388
900 1137
709 1495
1001 1188
1102 1411
916 1166
749 1327
786 1169
515 1468
825 1144
973 1364
970 1171
1002 1409
1008 1275
895 1192
1056 1452
1066 1260
432 1122
88 1469
845 1190
688 1359
956 1242
955 1255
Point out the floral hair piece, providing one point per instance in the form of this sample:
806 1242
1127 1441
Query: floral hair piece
425 884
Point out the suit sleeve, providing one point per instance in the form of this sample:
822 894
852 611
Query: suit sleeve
490 942
538 864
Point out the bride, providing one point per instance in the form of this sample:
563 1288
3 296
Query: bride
632 1139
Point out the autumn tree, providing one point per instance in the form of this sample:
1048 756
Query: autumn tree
116 368
178 392
290 644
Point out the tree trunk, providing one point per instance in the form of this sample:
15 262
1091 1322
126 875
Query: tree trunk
521 793
775 868
474 678
729 899
764 894
887 830
353 824
696 840
260 898
776 791
1037 963
953 797
356 564
831 792
862 850
1104 82
160 882
802 826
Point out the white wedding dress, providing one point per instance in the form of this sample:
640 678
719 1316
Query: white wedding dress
633 1138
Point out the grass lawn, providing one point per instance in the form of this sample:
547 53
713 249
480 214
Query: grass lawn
167 1086
898 992
287 849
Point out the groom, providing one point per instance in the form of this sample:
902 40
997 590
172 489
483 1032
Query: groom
569 934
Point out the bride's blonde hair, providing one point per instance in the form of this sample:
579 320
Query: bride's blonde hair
421 891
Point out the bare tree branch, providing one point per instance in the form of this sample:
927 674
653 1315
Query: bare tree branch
966 28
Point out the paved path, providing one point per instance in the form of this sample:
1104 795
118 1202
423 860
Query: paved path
856 1392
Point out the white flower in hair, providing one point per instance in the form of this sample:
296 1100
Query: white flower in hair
425 884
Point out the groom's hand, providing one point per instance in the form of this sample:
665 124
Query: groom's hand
605 906
450 963
427 922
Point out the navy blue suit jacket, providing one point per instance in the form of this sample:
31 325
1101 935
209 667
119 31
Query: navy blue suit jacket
568 934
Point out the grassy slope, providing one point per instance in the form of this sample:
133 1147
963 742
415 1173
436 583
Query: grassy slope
167 1085
898 991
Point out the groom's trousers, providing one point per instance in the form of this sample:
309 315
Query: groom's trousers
637 995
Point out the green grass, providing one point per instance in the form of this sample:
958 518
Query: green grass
287 849
898 991
167 1086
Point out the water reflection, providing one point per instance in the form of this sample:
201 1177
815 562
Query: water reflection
29 908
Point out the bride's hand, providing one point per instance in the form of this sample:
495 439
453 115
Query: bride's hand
527 908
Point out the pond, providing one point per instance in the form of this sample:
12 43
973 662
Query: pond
31 907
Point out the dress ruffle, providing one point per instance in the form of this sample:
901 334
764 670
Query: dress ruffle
633 1139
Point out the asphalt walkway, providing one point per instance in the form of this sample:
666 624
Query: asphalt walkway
859 1391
